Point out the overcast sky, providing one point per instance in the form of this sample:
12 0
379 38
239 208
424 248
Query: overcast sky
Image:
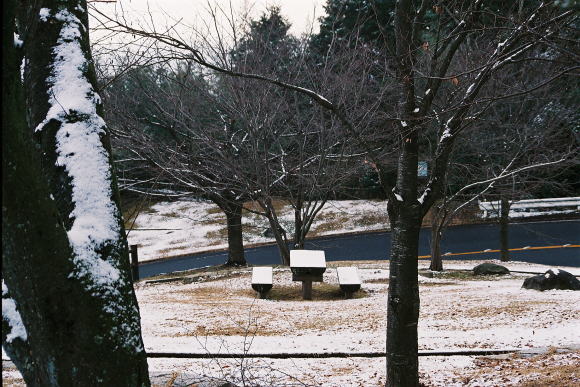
300 13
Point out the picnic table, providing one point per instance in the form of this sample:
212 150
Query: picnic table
307 266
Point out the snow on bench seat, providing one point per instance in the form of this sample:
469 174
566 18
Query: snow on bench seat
262 275
349 280
348 276
262 280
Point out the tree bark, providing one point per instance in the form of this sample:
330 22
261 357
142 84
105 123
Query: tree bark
403 299
504 220
298 223
436 234
82 327
233 211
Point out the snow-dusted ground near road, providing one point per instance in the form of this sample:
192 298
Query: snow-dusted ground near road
222 315
190 226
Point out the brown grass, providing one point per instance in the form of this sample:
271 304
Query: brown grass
172 249
512 309
435 284
462 275
320 292
220 234
370 220
214 210
278 205
537 371
334 223
377 281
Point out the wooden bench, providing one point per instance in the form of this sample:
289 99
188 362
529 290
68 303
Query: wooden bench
262 280
349 280
307 266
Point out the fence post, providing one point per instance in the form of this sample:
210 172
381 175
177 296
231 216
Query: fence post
134 263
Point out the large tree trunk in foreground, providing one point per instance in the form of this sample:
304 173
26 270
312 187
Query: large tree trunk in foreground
65 258
504 223
403 301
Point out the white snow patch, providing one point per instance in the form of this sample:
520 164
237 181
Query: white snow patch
428 91
10 314
470 88
404 124
73 102
262 275
348 275
398 197
416 110
423 196
446 134
17 41
44 13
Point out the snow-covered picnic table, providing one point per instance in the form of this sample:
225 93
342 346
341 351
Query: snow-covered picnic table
307 266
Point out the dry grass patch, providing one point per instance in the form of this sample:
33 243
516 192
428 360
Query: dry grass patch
435 284
512 309
362 264
278 205
214 210
220 234
172 249
550 369
371 220
204 273
320 292
334 223
462 275
377 281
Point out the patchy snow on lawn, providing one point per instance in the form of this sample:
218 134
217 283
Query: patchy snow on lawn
190 226
224 316
221 314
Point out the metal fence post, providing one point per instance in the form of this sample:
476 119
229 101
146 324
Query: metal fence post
134 263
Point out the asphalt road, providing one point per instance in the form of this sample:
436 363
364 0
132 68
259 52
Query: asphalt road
541 237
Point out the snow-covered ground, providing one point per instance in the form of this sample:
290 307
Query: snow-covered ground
221 314
456 313
183 227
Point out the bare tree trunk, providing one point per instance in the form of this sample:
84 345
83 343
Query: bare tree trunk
403 301
281 241
405 214
75 300
504 220
277 230
233 211
436 234
298 223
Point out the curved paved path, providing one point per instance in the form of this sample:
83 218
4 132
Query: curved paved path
546 240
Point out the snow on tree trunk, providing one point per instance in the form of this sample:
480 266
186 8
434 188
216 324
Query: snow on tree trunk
65 256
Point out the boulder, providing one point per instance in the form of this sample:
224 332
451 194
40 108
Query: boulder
490 269
552 279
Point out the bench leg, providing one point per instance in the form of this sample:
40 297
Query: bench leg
347 294
307 290
263 294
